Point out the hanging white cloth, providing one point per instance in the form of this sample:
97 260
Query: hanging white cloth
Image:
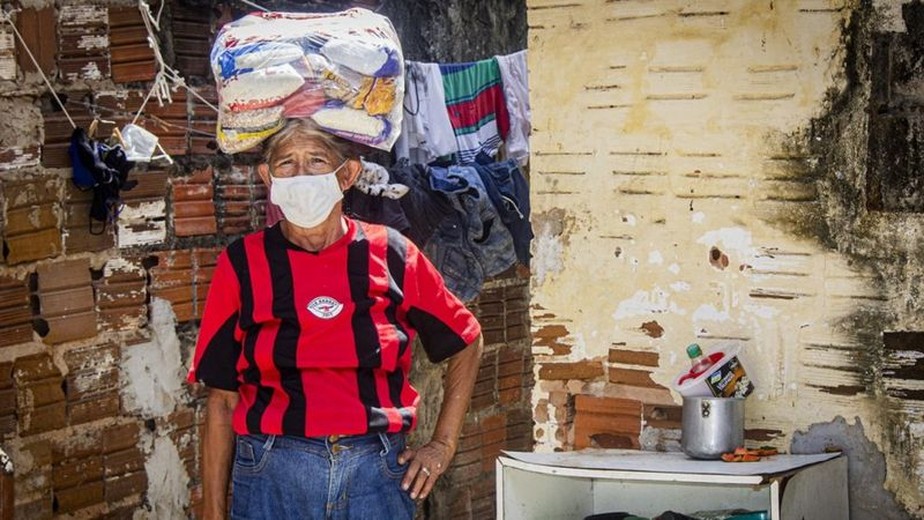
516 91
426 132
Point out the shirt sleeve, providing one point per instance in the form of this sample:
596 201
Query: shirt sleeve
443 323
218 346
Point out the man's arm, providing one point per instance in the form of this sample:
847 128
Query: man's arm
217 452
433 458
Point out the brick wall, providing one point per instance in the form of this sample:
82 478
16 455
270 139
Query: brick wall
96 326
698 174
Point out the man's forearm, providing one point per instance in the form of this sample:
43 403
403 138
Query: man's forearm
457 393
217 451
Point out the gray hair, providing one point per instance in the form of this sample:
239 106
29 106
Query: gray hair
340 148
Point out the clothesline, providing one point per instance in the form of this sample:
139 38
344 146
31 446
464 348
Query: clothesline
123 114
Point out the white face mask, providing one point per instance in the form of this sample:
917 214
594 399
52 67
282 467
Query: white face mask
307 200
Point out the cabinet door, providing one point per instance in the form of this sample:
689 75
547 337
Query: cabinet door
817 492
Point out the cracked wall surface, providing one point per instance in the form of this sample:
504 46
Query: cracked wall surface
702 171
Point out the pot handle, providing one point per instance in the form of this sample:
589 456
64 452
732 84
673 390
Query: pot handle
705 408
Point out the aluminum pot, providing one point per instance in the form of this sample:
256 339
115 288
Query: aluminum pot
711 426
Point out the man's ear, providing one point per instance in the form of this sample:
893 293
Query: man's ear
263 170
351 171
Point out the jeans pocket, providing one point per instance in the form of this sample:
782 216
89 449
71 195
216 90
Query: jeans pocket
388 459
251 454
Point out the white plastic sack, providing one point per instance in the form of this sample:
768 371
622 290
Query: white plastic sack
343 70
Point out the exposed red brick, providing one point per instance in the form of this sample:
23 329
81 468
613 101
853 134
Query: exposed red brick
491 309
83 53
467 457
123 462
761 434
509 396
549 336
494 337
606 422
7 401
121 295
607 405
517 332
16 157
85 445
653 329
38 509
66 298
489 453
41 393
34 368
94 408
84 235
467 473
183 277
15 312
121 437
192 31
31 229
122 486
581 370
195 226
661 416
631 377
73 473
76 498
43 419
38 30
179 420
203 122
633 357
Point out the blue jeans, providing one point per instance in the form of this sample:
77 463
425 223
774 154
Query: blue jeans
474 243
283 477
509 192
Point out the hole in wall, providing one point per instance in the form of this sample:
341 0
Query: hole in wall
717 258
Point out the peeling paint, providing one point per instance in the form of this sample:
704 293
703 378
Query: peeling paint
653 329
866 466
643 303
123 265
168 482
548 246
93 42
154 370
735 240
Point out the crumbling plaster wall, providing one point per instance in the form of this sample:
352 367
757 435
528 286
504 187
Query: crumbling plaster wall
700 174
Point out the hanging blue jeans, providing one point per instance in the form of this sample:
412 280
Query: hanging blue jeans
509 192
474 243
283 477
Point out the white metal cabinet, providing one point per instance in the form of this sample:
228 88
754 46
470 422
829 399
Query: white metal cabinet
572 485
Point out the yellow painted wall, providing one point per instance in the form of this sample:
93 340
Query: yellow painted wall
664 129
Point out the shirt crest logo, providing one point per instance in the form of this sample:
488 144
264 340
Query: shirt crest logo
325 307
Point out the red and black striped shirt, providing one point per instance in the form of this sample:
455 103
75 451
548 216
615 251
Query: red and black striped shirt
320 343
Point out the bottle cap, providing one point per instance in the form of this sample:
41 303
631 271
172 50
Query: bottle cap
694 351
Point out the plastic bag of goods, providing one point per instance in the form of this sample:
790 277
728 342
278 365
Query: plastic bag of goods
343 70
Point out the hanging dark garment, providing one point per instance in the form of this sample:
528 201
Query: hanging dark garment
103 169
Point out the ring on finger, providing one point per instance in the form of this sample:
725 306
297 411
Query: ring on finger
426 471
